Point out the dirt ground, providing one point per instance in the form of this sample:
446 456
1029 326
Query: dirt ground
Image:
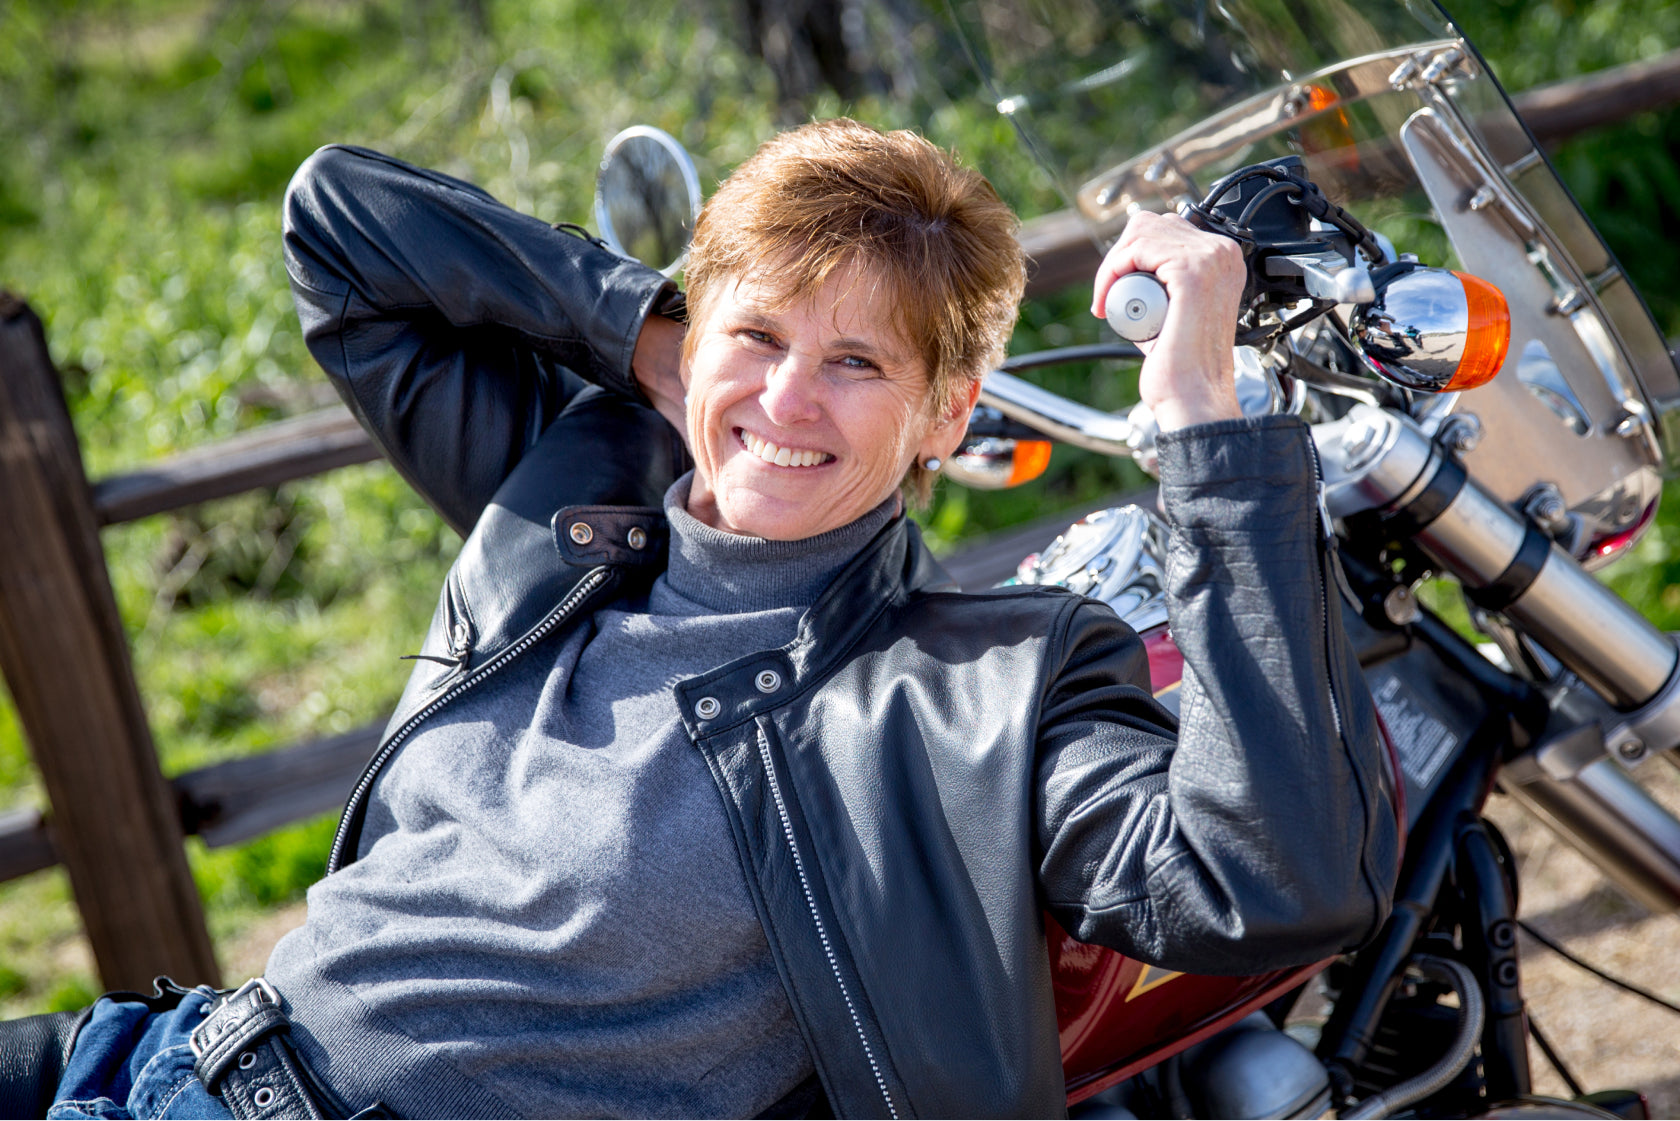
1608 1038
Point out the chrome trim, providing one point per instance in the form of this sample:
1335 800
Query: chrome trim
1595 633
1654 726
1056 417
1413 332
1131 433
1117 555
1328 276
671 148
1477 536
1609 818
986 463
1366 463
1585 625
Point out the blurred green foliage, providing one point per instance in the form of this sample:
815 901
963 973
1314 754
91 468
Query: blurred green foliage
148 143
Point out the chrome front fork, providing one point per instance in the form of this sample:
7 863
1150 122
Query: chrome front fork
1578 783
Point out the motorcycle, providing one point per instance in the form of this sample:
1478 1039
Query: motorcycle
1490 401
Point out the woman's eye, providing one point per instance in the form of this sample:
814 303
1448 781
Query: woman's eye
853 362
762 338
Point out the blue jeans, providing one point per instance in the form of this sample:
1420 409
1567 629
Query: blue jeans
130 1061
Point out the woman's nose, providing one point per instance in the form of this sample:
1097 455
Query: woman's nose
789 392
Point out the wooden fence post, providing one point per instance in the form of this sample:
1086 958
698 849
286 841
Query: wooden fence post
114 821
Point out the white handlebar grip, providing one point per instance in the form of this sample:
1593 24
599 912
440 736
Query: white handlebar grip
1136 307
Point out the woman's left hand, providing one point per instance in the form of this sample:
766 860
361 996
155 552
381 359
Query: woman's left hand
656 365
1187 372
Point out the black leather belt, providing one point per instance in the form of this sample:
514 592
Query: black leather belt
244 1055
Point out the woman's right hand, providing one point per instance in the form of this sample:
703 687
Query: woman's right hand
657 368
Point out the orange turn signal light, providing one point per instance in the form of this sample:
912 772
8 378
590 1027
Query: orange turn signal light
1432 330
1031 458
1320 98
996 462
1487 336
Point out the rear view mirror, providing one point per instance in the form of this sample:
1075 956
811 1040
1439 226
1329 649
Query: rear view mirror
647 195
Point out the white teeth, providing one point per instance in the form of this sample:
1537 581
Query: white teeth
781 457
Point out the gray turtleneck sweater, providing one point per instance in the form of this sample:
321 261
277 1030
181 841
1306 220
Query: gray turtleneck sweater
549 917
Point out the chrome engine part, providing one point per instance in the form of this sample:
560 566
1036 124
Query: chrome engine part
1115 555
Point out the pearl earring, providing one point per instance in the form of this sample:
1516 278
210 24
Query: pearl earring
932 463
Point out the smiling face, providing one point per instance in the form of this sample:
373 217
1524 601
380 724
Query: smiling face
804 415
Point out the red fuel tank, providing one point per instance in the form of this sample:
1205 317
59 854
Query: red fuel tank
1118 1016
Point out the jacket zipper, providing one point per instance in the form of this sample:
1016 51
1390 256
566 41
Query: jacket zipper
1326 573
822 929
1331 570
592 582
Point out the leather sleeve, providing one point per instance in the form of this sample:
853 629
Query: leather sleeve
1263 837
34 1051
455 328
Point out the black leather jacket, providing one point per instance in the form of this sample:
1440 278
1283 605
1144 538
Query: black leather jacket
933 770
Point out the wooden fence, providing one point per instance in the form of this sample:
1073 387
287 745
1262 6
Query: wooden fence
116 823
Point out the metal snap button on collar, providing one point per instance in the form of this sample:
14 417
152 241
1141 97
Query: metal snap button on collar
768 681
581 533
637 537
707 707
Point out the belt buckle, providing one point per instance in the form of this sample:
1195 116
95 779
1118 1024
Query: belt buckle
259 985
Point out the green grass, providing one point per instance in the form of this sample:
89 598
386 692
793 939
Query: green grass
148 143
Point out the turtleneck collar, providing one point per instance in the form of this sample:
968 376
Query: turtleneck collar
732 573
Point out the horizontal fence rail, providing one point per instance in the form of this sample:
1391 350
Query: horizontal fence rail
263 457
226 803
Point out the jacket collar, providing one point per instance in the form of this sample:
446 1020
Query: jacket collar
892 567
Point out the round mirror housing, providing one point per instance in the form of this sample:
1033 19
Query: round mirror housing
647 195
1432 330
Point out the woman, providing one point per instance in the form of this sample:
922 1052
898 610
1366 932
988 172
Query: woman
710 795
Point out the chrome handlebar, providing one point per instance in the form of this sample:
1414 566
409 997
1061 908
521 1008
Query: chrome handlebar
1056 416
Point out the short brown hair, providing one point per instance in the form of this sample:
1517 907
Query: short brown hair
830 195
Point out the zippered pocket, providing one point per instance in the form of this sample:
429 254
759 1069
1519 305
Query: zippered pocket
457 633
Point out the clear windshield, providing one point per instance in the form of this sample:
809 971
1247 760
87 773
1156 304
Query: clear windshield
1143 103
1092 86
